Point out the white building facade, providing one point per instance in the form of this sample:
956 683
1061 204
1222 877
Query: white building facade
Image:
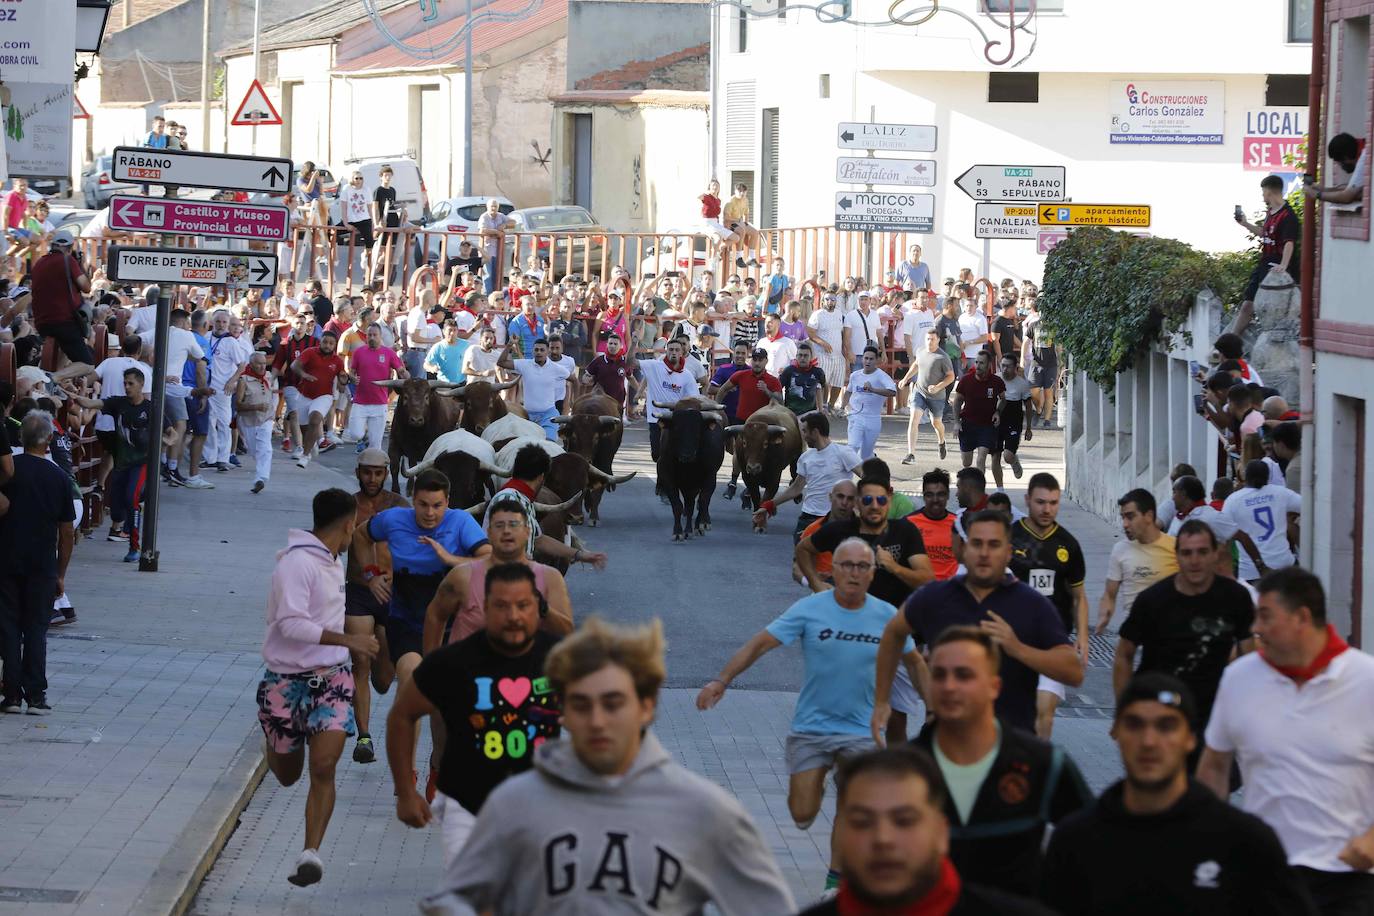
1231 75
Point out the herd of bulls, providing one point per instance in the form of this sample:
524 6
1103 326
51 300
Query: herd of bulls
471 434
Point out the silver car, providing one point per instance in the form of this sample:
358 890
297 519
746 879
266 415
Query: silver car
98 184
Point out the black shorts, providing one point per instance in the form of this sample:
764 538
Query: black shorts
1045 370
358 602
362 229
803 519
402 639
107 439
972 438
1009 438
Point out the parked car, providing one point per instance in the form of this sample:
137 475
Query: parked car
688 256
456 215
70 219
50 187
562 219
329 186
98 185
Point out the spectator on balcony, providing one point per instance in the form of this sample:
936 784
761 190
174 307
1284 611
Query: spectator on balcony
1278 236
490 226
58 282
913 270
1228 348
1353 157
736 212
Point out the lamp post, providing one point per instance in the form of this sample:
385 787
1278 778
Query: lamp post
91 17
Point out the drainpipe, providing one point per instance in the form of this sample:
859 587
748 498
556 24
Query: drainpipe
1311 232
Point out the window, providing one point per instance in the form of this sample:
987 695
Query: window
825 85
741 31
1021 6
473 212
1300 21
1285 89
1013 86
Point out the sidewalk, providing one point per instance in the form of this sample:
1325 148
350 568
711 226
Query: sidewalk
112 803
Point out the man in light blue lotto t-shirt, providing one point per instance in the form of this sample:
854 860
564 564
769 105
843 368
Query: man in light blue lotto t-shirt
839 631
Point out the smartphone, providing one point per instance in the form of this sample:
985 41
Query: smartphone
1198 400
1309 178
1193 368
1240 213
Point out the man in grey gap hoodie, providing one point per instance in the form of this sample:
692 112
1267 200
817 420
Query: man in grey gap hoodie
606 822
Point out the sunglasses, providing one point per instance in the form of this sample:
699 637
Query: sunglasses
870 500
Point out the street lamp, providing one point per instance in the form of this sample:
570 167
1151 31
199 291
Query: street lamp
91 16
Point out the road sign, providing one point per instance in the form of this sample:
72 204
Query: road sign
905 138
1047 239
1013 183
221 219
185 169
255 109
872 211
183 265
1005 221
1132 215
908 173
79 112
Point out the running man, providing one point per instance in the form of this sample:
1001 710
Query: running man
864 396
306 695
977 402
632 831
931 374
820 468
1048 559
938 526
1013 417
320 377
541 379
1144 558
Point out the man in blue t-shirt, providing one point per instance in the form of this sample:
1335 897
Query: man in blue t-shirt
839 630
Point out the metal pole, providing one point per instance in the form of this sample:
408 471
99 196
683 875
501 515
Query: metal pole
467 104
205 77
987 259
713 112
152 471
257 21
1307 320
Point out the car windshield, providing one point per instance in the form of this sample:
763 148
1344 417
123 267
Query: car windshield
474 211
559 218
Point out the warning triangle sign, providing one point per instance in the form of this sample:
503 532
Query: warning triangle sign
78 110
256 108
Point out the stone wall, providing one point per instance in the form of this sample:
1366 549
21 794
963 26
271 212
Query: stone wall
1271 340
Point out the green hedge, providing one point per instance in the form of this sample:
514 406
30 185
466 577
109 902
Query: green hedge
1107 296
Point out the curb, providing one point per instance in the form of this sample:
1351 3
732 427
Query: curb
176 881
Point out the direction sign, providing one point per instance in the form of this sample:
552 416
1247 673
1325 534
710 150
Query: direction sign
1005 221
872 211
185 169
1133 215
221 219
909 173
1047 239
905 138
184 265
1011 183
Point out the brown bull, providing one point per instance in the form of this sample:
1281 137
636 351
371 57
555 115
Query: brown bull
425 410
594 430
764 444
481 403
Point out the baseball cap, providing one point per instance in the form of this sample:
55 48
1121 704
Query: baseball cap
373 458
62 240
707 331
1158 687
864 294
760 351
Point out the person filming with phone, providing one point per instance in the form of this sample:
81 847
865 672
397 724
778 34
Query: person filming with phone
1278 235
59 283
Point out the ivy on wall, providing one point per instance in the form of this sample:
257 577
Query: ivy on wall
1108 296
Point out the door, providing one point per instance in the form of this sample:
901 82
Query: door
434 147
582 160
768 197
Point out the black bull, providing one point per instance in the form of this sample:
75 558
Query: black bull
425 410
593 430
691 451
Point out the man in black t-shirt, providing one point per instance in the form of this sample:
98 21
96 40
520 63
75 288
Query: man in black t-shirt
320 304
1005 336
1278 236
133 419
496 704
1187 624
1049 560
803 382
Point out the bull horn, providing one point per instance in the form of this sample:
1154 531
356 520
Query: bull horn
502 386
711 405
440 383
734 430
558 507
609 478
662 406
448 391
714 415
417 470
607 420
492 469
775 429
478 510
390 383
560 420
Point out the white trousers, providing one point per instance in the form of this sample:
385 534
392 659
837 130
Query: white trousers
258 440
863 434
219 441
455 824
369 421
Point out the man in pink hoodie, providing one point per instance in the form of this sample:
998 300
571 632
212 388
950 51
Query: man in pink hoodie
306 695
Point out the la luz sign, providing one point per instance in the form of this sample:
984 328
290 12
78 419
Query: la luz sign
905 138
257 222
185 169
206 268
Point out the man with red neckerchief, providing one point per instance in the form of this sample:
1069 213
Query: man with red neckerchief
892 837
757 386
1296 716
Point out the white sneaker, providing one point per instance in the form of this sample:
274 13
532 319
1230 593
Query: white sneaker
297 452
309 869
198 483
303 461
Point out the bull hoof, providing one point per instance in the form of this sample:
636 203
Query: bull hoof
758 530
593 522
687 535
706 525
701 530
677 536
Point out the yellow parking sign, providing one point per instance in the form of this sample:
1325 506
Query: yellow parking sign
1128 215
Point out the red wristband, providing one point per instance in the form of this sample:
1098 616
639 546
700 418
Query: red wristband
372 570
770 507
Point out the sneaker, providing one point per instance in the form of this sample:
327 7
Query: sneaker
730 489
258 485
131 556
309 869
234 460
1016 466
197 483
222 467
297 452
303 461
38 706
346 438
177 479
328 445
361 447
286 444
61 619
116 535
363 751
206 465
739 262
942 448
754 262
909 459
12 705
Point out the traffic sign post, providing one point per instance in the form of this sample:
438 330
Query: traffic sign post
905 138
1135 216
185 169
256 108
1005 221
884 211
907 173
1013 183
182 265
220 219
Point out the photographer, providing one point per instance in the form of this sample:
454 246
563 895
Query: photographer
58 284
1278 237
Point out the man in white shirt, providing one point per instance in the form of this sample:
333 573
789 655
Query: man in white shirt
862 328
820 467
1295 715
666 381
1190 501
916 320
541 377
781 350
1264 511
142 321
228 358
827 333
973 329
479 362
867 391
491 226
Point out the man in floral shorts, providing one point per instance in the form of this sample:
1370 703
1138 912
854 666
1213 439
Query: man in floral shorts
306 695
